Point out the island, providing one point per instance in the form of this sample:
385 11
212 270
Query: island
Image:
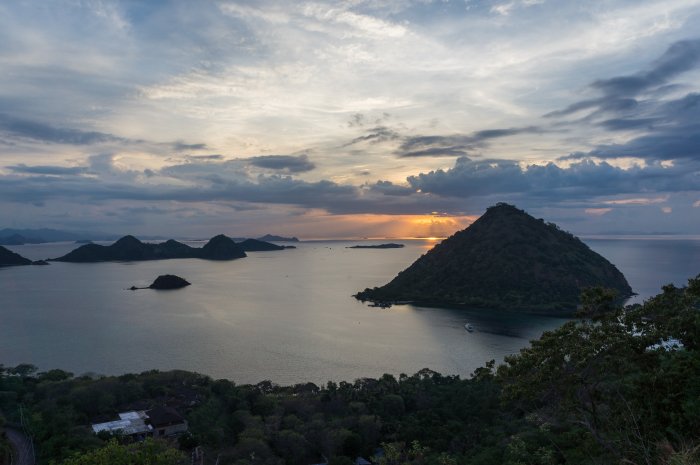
505 260
390 245
255 245
9 258
274 238
128 248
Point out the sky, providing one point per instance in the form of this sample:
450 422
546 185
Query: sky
357 118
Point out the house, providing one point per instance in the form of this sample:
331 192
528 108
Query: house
166 421
131 424
158 422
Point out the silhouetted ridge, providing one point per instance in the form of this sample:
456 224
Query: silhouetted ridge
221 248
255 245
505 259
128 248
9 258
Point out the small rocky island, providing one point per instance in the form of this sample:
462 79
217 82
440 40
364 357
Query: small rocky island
169 281
505 260
390 245
165 282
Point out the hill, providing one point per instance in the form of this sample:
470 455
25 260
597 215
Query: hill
128 248
9 258
505 259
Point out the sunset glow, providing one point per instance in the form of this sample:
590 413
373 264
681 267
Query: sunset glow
347 119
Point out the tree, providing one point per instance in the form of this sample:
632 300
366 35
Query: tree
149 452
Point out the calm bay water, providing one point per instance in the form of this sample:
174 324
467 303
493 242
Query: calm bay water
287 316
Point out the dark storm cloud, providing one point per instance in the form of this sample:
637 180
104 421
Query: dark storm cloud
46 133
585 179
48 170
286 163
456 144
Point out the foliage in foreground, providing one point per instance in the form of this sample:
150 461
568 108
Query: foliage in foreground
149 452
602 390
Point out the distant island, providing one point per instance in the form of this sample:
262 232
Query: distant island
273 238
255 245
128 248
390 245
505 260
18 239
12 236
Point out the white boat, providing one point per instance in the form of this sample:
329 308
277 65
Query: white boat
469 327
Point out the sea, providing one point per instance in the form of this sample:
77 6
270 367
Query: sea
285 316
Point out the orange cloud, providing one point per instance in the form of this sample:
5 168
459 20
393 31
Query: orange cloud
324 225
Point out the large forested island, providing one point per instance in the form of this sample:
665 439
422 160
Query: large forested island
505 259
620 387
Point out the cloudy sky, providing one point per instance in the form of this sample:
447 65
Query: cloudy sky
349 118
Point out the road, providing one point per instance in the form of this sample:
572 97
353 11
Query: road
22 445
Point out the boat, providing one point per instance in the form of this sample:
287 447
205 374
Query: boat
469 327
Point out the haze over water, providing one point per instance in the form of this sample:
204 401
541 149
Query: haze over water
287 316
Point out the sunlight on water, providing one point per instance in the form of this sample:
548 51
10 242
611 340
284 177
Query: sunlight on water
287 316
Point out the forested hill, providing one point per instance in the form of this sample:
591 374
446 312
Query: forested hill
505 259
623 388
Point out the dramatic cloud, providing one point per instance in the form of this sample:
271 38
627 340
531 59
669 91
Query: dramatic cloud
286 163
456 145
620 93
181 147
48 170
46 133
582 180
376 135
124 112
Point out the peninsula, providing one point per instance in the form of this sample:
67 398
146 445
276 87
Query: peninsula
255 245
505 260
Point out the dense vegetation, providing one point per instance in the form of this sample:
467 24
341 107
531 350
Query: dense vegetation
505 259
621 386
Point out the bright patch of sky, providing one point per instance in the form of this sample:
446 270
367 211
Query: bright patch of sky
349 118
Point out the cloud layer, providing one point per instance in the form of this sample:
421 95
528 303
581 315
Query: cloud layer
166 114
